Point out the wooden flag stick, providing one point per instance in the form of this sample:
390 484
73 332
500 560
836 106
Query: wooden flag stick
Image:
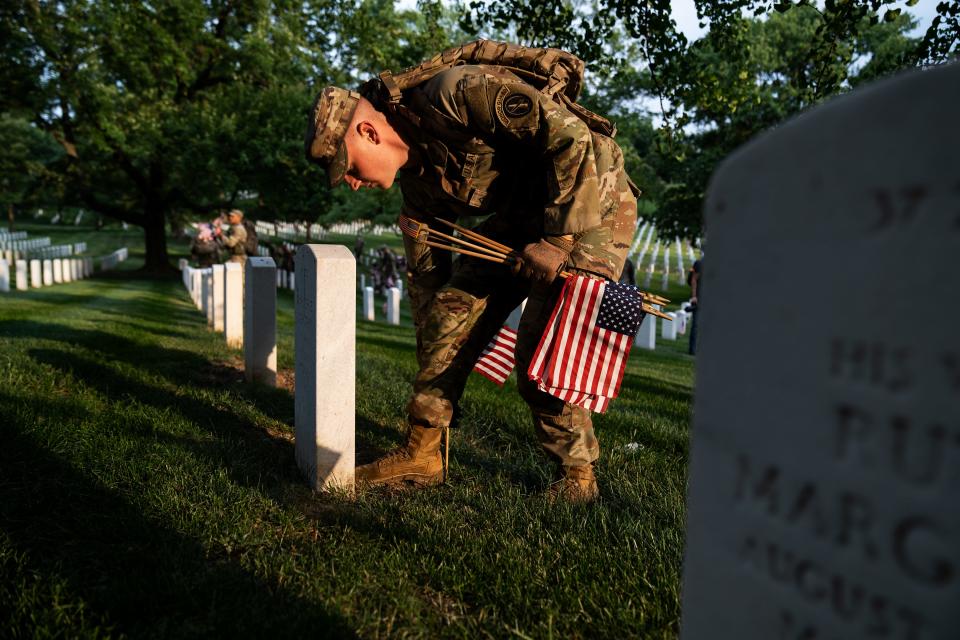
473 235
500 260
475 247
654 312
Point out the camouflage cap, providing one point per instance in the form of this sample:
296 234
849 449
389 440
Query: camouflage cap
329 118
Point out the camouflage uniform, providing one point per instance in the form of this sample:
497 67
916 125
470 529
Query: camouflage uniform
484 142
235 239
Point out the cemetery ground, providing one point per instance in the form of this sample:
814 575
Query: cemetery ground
146 490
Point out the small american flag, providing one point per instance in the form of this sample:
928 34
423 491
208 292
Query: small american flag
583 352
496 362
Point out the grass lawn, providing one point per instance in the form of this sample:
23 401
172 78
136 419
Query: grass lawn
145 490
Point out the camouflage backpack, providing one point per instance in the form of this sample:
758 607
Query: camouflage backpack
250 244
553 72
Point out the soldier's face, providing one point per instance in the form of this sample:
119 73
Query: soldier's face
369 163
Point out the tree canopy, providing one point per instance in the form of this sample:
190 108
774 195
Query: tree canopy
155 113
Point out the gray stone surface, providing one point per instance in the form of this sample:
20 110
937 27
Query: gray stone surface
260 321
824 499
326 320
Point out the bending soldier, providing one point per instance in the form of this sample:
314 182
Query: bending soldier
471 141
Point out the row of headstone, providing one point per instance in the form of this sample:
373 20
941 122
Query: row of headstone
23 245
298 231
24 274
392 305
240 301
286 279
110 261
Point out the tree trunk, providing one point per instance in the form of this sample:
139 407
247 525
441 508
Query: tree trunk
156 260
10 217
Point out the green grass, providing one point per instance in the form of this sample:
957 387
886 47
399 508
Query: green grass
146 491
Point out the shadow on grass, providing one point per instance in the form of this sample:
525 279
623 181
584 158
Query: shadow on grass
142 576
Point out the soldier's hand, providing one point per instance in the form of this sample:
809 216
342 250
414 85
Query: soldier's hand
541 261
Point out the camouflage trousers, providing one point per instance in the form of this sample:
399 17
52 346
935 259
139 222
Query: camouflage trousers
459 308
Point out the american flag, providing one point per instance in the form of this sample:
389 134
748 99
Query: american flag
496 362
583 352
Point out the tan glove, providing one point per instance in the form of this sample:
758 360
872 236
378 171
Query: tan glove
541 261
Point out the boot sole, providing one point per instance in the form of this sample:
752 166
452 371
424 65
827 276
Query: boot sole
418 479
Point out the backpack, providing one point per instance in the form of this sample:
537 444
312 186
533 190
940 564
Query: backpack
250 244
553 72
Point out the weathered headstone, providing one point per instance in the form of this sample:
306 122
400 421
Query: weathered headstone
325 364
36 274
217 292
260 321
233 304
825 469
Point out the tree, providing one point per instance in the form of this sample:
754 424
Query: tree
25 156
145 98
746 74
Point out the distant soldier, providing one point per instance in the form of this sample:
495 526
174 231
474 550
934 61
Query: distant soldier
234 239
476 140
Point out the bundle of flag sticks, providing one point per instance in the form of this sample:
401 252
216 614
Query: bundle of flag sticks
473 244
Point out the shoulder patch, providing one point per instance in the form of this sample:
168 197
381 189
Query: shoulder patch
514 106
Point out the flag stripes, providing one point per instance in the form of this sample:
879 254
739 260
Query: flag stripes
497 360
582 355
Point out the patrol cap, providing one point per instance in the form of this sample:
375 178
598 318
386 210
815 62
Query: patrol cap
329 118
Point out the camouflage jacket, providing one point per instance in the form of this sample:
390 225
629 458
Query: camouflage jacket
486 142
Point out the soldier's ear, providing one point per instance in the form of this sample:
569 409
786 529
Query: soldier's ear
367 131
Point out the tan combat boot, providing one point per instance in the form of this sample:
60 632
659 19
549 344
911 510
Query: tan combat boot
418 461
577 485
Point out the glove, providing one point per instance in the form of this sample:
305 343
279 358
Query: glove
541 261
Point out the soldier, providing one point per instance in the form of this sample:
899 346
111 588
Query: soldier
235 238
471 141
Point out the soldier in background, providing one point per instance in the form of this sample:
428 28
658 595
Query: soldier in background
471 141
234 239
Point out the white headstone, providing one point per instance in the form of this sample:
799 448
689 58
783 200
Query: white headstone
182 264
647 336
825 471
22 275
47 273
4 275
36 274
513 321
363 282
217 292
58 270
260 321
369 310
668 328
233 304
206 293
325 364
393 305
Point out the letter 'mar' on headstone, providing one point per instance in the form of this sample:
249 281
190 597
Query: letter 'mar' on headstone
325 364
233 304
825 467
260 321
